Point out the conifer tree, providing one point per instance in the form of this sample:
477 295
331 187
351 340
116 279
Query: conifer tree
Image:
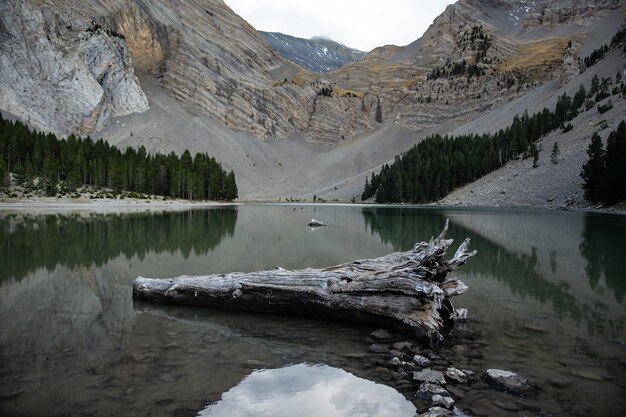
593 170
614 186
554 157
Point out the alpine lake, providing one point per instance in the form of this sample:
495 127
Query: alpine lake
546 300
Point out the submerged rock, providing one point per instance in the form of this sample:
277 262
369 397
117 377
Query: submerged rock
427 390
436 412
380 334
429 375
456 375
421 360
395 362
374 348
402 345
507 380
446 402
506 406
470 375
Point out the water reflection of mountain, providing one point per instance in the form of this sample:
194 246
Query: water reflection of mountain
31 242
535 255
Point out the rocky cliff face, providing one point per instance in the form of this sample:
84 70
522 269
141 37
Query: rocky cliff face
70 66
62 77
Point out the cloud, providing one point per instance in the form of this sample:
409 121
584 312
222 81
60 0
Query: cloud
309 391
359 24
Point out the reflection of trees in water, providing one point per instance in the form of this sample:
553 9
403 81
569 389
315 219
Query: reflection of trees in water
31 242
604 249
404 227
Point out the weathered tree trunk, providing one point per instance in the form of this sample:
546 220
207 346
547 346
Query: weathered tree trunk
407 290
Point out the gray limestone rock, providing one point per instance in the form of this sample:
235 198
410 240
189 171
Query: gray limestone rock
61 75
507 381
436 412
421 360
456 375
446 402
429 375
427 390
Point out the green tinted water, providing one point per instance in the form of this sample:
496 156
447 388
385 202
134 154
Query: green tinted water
546 300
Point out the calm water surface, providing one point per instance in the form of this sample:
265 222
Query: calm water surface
546 300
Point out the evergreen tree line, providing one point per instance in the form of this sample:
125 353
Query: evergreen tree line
598 53
605 171
456 69
61 165
437 165
326 91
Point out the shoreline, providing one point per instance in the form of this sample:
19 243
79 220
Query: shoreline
40 204
102 205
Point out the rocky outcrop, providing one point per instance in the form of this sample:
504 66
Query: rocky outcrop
580 12
570 67
62 76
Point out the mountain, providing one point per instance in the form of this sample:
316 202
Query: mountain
315 54
172 75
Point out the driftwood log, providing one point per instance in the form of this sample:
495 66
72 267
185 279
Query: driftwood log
406 290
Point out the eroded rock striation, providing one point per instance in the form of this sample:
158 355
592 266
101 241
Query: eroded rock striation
62 76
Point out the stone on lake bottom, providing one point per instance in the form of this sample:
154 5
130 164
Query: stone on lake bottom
377 349
460 314
429 375
381 334
436 412
395 362
456 375
506 406
507 380
446 402
421 360
427 390
470 375
402 345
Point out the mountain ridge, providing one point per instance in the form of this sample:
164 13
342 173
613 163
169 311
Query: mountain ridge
316 54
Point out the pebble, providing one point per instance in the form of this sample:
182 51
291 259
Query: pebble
251 363
374 348
470 375
427 390
402 345
446 402
436 412
421 360
456 376
506 406
395 362
381 334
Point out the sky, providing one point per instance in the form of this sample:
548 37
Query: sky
363 24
